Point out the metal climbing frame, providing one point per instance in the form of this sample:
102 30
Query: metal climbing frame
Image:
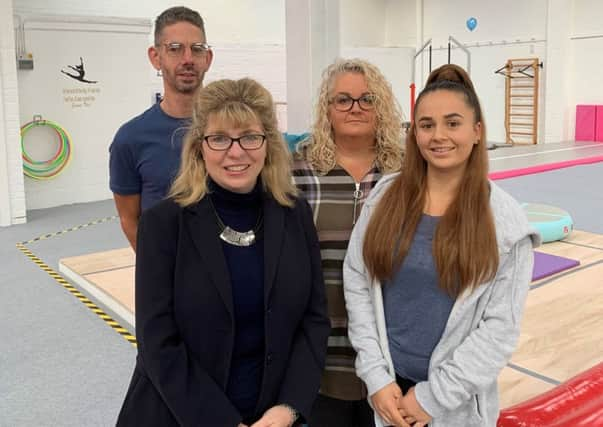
427 45
521 100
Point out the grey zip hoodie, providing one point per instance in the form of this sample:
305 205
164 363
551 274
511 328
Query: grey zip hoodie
481 332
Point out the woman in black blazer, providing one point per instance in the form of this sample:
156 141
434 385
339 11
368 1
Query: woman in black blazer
230 303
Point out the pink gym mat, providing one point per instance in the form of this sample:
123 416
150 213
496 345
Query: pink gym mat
585 122
543 168
599 124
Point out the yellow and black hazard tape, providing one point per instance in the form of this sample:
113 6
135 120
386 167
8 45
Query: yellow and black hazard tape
68 286
67 230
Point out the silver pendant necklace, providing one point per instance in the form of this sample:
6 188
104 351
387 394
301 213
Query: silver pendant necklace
234 237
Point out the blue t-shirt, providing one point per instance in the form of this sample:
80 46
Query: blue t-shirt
145 155
416 309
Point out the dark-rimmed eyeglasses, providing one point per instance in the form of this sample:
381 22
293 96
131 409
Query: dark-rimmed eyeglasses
176 50
224 142
343 102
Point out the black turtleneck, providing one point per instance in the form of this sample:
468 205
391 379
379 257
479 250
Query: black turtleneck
246 268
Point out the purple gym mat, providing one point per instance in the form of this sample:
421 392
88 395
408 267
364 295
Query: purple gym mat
546 265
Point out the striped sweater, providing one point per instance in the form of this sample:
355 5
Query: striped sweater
336 200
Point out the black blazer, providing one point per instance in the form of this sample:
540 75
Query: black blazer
184 317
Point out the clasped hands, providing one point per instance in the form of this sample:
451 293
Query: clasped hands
277 416
397 409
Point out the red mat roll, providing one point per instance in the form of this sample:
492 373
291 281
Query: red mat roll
578 402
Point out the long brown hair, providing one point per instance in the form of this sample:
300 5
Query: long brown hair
464 247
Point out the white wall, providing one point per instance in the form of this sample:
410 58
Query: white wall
400 23
496 20
587 17
555 123
538 28
232 21
249 42
114 54
586 61
382 32
512 29
12 193
265 63
505 30
362 23
313 42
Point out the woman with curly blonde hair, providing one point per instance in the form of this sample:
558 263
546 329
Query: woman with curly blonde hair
356 137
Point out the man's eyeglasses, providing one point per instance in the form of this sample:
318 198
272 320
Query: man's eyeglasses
343 102
224 142
176 50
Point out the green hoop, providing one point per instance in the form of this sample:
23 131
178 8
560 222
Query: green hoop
46 169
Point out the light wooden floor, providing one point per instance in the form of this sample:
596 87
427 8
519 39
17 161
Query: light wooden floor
108 276
561 330
561 333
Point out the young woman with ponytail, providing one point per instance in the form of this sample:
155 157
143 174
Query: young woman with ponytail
437 270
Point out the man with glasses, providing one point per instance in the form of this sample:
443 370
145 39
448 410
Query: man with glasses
145 153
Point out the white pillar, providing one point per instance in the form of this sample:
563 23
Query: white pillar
12 191
312 36
420 64
556 74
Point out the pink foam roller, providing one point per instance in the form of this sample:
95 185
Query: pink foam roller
585 122
578 402
599 124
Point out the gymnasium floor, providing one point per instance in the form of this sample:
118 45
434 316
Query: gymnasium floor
66 355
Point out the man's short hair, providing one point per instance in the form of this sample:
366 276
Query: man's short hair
174 15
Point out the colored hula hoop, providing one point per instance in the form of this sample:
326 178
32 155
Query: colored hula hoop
46 169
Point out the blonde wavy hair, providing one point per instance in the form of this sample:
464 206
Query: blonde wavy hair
235 103
319 148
